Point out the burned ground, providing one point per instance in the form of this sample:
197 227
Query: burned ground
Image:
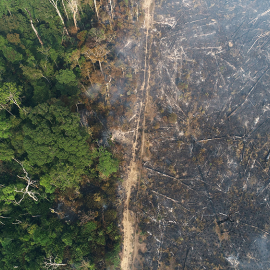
203 197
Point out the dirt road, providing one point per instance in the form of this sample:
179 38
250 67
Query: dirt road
130 241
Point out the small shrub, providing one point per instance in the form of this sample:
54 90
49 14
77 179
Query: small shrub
172 118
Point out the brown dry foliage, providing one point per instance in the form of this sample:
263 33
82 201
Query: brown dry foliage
14 38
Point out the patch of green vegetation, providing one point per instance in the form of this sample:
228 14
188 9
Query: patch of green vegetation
182 86
172 118
57 196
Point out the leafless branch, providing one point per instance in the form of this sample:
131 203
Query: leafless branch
30 183
111 8
51 264
170 199
73 6
17 222
250 91
96 8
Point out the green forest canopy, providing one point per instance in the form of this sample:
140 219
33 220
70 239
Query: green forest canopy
57 188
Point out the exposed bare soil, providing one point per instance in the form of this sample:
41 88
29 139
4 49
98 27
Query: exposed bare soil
130 238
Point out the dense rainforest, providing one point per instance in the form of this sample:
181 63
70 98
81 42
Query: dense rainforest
58 177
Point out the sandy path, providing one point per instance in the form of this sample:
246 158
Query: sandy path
130 239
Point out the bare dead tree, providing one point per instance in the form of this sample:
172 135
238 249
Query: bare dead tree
73 6
65 9
10 94
108 89
137 11
17 222
30 183
33 27
50 263
54 3
97 54
96 8
111 6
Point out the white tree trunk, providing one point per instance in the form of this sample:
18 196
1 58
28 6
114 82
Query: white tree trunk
74 19
6 109
73 6
65 9
15 102
54 3
51 264
95 2
33 27
30 183
111 8
100 67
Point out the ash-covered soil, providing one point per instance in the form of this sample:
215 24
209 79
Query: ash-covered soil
203 197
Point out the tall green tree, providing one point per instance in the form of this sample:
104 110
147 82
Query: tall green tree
5 126
106 163
67 82
54 139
